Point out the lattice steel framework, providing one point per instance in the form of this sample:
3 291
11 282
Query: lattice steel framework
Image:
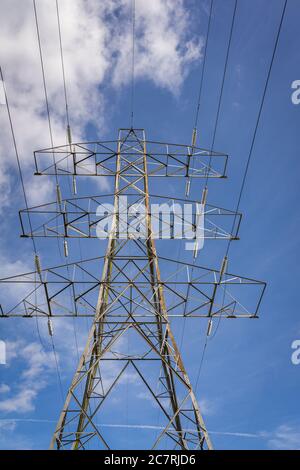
131 298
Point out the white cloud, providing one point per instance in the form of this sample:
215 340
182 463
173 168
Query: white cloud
5 189
164 48
285 437
145 395
12 293
21 402
35 369
4 388
9 267
97 50
35 195
37 361
9 437
207 407
7 426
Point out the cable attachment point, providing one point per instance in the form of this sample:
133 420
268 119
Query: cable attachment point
209 327
187 188
194 137
69 135
74 185
50 327
204 196
38 264
66 249
195 254
58 194
223 266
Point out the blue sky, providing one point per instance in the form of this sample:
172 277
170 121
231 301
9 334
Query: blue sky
248 386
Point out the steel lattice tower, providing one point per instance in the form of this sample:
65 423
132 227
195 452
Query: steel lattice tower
154 330
131 298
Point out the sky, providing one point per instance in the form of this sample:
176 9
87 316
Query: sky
248 388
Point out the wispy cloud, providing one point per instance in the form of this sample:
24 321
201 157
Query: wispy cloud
13 421
4 388
284 437
164 47
10 439
32 379
207 407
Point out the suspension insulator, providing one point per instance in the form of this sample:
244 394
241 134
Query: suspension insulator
37 264
74 185
58 194
209 327
50 327
223 266
69 135
66 249
194 137
204 196
187 187
196 250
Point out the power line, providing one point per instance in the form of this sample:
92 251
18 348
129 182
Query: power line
201 364
17 157
203 66
246 171
57 368
224 74
62 63
52 143
258 119
195 129
69 141
27 207
44 81
194 133
222 86
68 135
221 92
22 183
47 105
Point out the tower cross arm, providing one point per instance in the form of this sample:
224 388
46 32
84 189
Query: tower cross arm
99 159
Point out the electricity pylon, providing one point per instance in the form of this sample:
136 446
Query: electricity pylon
131 298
